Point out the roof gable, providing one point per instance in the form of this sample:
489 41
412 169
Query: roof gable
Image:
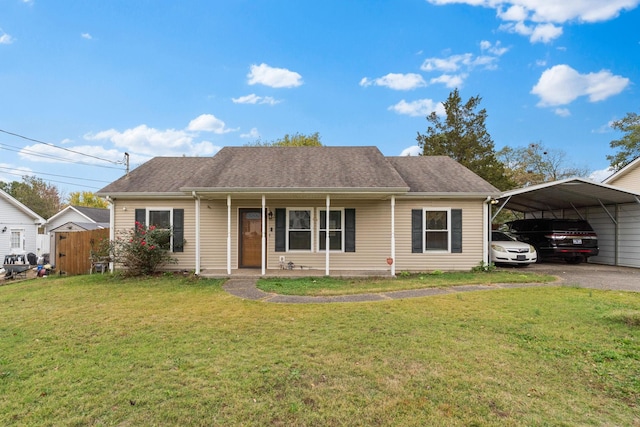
22 208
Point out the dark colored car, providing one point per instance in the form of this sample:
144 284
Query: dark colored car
573 240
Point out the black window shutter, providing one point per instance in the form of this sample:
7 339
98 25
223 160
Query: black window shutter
456 231
416 231
349 230
281 230
178 230
141 215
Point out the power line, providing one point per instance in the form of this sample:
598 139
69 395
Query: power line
63 182
119 162
50 174
15 149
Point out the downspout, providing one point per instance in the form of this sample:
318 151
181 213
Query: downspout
264 237
197 202
486 235
326 238
112 228
229 234
393 236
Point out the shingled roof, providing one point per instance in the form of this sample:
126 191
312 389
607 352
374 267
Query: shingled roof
287 169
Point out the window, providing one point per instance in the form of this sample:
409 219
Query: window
168 219
436 230
299 229
336 226
16 241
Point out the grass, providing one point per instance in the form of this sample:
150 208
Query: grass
327 286
92 350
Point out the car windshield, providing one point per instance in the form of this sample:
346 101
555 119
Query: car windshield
498 236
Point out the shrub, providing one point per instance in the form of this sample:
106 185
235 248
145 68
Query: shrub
141 250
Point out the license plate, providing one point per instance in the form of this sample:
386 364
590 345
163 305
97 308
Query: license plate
521 257
577 241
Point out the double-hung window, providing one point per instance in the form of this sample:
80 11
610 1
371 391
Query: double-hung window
436 230
299 231
171 220
161 220
17 242
336 227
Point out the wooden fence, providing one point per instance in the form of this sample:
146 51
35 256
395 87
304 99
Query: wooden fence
73 250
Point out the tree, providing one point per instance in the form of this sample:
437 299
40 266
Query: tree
536 164
86 198
463 136
629 144
36 194
295 140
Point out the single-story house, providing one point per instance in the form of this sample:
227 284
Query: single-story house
18 227
75 218
266 208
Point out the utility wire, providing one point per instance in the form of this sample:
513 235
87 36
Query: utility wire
119 162
4 146
21 172
63 182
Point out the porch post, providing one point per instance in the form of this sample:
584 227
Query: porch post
112 228
197 202
229 234
326 238
393 235
264 237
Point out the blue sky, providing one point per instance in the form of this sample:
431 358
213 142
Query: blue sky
95 79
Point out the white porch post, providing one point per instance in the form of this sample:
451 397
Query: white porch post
197 202
229 234
393 235
112 228
326 238
264 237
486 214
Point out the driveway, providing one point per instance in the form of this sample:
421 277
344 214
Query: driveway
594 276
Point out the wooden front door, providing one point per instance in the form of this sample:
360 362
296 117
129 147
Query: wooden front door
250 238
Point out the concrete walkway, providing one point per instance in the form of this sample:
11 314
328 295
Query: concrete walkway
245 288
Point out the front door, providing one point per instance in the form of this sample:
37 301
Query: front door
250 238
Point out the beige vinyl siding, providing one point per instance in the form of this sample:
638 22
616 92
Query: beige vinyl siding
472 237
124 220
629 181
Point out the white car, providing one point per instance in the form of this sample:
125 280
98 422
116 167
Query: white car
507 250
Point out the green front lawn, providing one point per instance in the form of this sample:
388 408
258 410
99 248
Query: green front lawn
93 350
325 286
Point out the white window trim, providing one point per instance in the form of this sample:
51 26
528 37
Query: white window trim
160 209
22 242
342 236
424 230
311 229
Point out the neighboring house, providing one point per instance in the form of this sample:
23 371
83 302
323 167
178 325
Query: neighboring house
628 177
76 218
266 207
18 227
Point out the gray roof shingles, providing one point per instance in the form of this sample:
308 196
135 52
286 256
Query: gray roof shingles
303 168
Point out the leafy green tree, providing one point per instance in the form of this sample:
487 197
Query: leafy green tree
536 164
295 140
463 136
86 198
36 194
629 145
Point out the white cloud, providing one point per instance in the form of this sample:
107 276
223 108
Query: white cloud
9 173
255 99
86 36
5 38
421 107
144 142
414 150
51 154
273 77
562 112
253 134
449 80
601 175
208 123
396 81
561 85
537 18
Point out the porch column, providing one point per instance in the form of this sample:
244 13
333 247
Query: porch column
264 237
393 236
229 234
112 228
326 238
197 202
486 230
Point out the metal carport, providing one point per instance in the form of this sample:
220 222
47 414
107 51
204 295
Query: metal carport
614 213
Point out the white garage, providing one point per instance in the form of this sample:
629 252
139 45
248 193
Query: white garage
612 211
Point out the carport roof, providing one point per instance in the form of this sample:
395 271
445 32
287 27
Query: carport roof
571 193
